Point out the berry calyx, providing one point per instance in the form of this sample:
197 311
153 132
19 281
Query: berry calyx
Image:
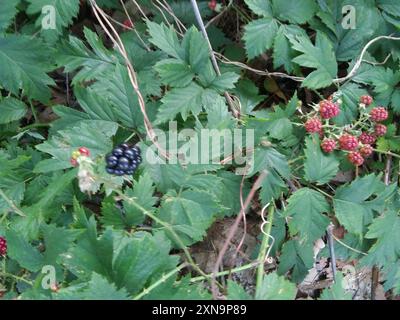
355 158
378 114
3 246
328 145
348 142
123 160
366 150
367 138
367 100
313 125
380 130
328 109
212 4
84 151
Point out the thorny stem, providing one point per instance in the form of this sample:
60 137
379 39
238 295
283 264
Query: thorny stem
388 153
226 272
263 251
347 246
11 204
9 275
167 226
160 281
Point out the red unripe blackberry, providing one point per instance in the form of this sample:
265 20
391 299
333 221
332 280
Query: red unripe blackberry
212 4
366 150
367 100
84 151
313 125
378 114
128 24
380 130
3 246
328 109
74 162
367 138
355 158
348 142
328 145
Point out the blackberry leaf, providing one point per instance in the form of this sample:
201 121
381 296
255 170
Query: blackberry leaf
306 208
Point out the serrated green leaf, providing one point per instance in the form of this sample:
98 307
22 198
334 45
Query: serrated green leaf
386 249
174 72
260 7
11 109
25 69
92 63
64 12
276 287
142 192
349 111
196 50
57 241
8 12
259 36
94 135
181 101
352 203
272 187
23 252
270 158
166 39
237 292
225 81
296 257
98 288
318 166
141 259
171 289
297 11
187 215
306 208
319 56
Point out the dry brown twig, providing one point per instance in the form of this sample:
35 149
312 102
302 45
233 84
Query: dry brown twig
352 72
235 112
232 232
115 38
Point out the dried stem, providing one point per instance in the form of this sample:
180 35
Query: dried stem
212 55
232 232
115 38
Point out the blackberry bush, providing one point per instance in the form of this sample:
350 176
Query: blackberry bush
270 129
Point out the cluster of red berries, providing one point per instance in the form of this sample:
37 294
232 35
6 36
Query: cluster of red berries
327 110
3 246
359 146
82 151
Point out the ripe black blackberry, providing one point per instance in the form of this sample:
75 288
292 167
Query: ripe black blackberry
123 160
